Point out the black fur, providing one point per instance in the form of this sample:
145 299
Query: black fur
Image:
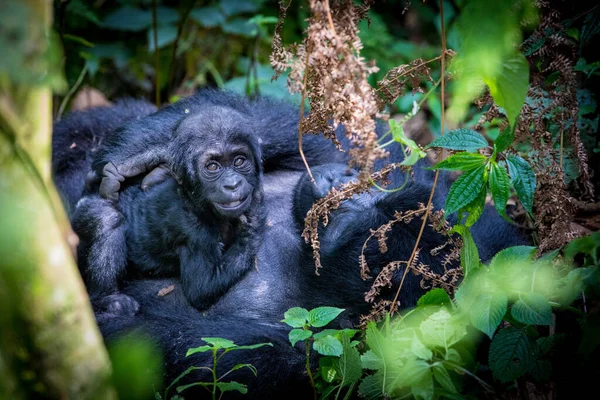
251 310
204 225
78 136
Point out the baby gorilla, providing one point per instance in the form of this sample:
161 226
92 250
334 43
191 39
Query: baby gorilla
204 223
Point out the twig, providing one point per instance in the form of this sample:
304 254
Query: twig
300 133
71 91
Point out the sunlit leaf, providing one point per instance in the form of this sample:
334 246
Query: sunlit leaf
487 311
295 317
298 335
463 161
435 296
533 309
321 316
460 139
219 343
328 346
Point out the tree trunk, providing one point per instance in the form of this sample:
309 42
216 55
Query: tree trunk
50 346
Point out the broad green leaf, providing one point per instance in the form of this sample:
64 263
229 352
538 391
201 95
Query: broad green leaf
208 17
453 356
487 311
442 376
441 330
500 187
128 19
475 208
511 255
321 316
328 346
348 366
298 335
419 349
461 162
240 26
232 386
185 387
465 189
541 371
234 7
436 296
377 386
219 343
295 317
532 309
422 388
509 89
511 354
166 34
370 360
200 349
469 255
460 139
523 180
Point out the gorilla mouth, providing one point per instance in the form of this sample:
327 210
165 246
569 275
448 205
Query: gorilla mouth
233 205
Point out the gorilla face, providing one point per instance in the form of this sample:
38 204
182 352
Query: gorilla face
216 157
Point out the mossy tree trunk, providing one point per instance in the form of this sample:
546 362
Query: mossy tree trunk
50 346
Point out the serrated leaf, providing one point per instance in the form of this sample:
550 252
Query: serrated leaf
523 180
321 316
298 335
348 366
460 139
533 309
513 254
487 311
295 317
469 254
219 343
419 349
475 208
328 346
541 371
511 354
509 89
370 360
500 188
441 330
461 162
465 189
442 376
436 296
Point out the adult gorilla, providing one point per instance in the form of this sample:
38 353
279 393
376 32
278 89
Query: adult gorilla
249 312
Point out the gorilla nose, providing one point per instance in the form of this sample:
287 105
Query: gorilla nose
232 184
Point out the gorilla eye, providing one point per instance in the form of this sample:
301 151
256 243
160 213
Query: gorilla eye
239 161
212 166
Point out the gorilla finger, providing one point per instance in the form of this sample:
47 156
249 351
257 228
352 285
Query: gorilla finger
156 176
119 304
109 188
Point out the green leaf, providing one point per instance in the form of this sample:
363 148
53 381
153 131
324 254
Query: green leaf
461 162
523 180
513 254
321 316
328 346
500 187
469 255
201 349
532 309
475 208
185 387
298 335
234 7
423 387
208 17
465 189
219 343
128 19
511 354
436 296
295 317
370 360
348 366
442 376
249 366
460 139
166 34
487 311
326 368
232 386
509 89
240 26
419 349
441 330
250 346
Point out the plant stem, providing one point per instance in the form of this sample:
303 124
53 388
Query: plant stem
308 371
214 373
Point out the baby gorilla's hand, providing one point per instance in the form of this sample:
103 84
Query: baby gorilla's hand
118 304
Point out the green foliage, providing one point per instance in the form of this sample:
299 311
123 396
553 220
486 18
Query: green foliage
219 347
511 354
522 178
